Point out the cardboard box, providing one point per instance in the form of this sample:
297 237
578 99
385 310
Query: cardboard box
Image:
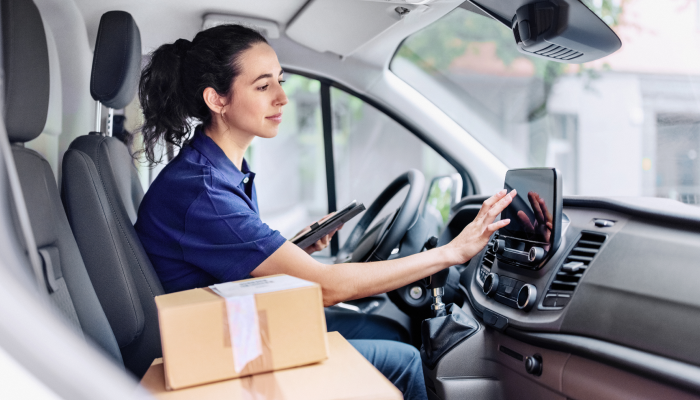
279 315
345 375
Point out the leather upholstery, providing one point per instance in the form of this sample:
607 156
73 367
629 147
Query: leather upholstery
440 334
101 194
26 64
97 193
71 290
116 65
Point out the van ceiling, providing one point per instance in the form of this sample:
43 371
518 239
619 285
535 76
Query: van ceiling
342 27
164 21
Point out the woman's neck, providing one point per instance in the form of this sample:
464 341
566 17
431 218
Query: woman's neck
234 144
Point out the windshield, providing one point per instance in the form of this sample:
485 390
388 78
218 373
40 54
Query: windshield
625 125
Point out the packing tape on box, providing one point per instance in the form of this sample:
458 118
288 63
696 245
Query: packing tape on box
244 329
250 341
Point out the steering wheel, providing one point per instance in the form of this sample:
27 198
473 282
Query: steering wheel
378 243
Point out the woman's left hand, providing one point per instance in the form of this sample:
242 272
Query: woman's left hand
324 241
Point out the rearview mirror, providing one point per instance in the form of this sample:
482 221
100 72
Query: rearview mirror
564 31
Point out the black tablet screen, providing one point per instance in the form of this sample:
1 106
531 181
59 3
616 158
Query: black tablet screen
530 213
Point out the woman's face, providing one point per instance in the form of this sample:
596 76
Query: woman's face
257 95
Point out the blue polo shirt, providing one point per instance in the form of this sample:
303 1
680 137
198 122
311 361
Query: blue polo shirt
199 220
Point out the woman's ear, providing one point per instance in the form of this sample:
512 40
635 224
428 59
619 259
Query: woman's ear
215 102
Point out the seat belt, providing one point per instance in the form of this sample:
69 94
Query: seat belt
21 208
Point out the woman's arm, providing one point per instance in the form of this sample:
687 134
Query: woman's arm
347 281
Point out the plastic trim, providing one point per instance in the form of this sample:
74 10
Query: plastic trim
327 117
627 206
672 372
638 210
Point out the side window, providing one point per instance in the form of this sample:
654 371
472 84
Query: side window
370 150
290 169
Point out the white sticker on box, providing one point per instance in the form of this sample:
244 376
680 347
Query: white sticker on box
242 313
258 286
244 329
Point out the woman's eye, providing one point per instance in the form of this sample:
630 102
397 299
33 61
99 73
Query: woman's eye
263 88
282 81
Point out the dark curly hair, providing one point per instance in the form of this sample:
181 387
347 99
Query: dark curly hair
173 82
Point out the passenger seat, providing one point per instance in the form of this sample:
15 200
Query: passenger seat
101 205
26 66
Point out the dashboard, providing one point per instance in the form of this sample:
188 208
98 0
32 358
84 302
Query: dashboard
623 286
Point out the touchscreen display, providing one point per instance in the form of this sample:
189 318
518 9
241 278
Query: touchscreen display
531 211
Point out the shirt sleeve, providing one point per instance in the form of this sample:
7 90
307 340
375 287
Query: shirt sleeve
225 237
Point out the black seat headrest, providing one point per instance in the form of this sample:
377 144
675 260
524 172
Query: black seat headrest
26 63
116 65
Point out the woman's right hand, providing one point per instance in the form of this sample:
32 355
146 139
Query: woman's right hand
476 235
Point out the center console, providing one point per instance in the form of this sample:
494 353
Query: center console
532 236
534 232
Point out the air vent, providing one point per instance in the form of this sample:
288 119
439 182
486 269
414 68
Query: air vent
572 269
487 262
559 53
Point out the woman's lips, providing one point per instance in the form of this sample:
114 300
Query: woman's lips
275 118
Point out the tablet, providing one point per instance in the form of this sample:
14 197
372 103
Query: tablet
319 230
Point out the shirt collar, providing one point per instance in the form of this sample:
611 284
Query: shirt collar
216 156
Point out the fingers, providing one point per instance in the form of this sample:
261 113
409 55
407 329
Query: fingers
488 203
301 232
499 206
496 226
330 235
326 217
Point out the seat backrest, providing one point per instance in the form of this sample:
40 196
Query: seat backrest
99 198
26 65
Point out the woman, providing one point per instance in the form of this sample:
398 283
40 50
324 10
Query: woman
199 220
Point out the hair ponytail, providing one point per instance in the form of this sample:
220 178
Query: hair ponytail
173 82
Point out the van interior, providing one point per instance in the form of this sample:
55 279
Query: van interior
420 109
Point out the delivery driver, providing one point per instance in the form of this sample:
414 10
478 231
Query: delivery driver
199 220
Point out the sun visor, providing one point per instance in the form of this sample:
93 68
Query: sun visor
558 30
343 26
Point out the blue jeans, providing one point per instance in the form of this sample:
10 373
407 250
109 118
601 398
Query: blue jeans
378 339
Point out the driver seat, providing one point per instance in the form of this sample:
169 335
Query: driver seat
99 198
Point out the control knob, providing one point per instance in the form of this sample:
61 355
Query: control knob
533 365
499 246
527 295
535 255
490 284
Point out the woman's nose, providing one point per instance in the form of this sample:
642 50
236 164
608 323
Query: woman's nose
281 98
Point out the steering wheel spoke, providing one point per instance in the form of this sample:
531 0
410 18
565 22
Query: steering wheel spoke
376 243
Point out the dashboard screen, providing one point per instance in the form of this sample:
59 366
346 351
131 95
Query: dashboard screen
531 212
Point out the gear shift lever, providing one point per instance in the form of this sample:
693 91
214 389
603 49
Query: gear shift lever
437 283
449 325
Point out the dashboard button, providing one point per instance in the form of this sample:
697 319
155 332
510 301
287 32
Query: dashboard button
550 300
604 223
497 321
572 267
563 300
533 365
